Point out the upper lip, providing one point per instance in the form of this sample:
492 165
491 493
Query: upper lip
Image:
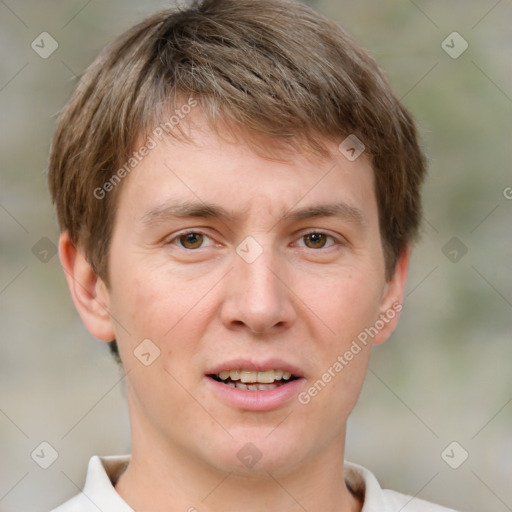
255 366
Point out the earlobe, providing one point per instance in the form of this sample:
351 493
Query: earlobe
88 291
391 304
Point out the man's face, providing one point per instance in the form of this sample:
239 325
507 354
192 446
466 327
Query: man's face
230 262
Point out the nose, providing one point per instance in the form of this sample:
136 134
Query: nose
256 296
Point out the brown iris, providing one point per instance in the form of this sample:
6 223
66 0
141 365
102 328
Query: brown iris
315 240
191 240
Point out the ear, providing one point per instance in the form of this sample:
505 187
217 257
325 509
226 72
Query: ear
392 297
89 292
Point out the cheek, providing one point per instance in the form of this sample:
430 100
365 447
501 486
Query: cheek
170 313
329 399
147 305
346 302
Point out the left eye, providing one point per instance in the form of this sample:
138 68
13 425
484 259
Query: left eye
316 240
192 240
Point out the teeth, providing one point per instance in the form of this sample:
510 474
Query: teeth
248 376
264 387
252 387
266 377
251 377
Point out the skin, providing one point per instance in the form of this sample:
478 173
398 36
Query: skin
201 307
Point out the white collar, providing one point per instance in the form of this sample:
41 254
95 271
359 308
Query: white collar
99 493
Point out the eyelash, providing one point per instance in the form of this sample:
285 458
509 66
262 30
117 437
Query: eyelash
312 232
335 241
185 233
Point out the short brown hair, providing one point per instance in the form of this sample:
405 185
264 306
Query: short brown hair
275 67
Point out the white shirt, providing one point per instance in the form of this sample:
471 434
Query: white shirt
99 492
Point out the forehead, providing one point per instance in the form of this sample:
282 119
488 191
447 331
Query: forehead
229 174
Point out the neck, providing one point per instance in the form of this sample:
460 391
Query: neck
184 476
171 480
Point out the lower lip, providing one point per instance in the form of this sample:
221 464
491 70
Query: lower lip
264 400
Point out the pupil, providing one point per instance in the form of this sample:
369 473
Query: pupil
192 240
316 239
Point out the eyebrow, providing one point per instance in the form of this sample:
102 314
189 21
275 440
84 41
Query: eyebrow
185 209
191 209
341 210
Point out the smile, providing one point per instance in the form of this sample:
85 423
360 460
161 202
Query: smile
253 381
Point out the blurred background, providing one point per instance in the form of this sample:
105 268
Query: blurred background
435 416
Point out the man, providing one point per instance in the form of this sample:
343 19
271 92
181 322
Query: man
238 190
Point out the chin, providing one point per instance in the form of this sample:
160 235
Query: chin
256 452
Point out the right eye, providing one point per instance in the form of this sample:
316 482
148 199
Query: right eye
190 240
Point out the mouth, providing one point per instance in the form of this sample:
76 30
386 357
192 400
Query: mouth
257 386
249 380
